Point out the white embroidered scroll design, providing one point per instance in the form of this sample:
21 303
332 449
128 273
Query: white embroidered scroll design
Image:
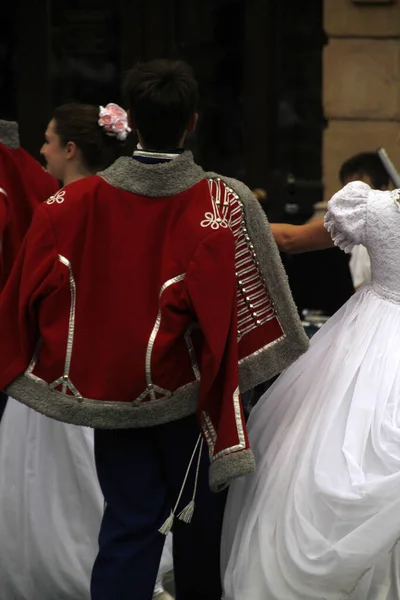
57 198
220 208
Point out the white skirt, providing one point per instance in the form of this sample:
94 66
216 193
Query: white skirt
51 508
320 517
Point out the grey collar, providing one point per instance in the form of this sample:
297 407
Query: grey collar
9 135
156 181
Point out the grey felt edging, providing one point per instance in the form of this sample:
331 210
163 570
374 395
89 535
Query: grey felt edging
230 466
101 414
9 135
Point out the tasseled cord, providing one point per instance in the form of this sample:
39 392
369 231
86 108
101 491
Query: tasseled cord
186 514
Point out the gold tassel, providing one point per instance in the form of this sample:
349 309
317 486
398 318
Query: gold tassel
167 525
186 515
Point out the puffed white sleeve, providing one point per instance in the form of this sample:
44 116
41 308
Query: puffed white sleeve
346 219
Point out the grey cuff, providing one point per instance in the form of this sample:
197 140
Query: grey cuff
227 468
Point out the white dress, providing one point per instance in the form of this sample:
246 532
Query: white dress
360 266
51 508
320 517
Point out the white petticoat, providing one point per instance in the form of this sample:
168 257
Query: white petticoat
51 508
320 518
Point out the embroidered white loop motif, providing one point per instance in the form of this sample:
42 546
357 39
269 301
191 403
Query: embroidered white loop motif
213 221
220 206
59 198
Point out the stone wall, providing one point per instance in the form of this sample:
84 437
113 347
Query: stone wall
361 82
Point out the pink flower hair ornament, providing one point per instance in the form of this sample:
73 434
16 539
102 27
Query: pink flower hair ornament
114 121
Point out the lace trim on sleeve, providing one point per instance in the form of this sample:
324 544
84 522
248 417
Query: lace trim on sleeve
338 237
347 215
395 195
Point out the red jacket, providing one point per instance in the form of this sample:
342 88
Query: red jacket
144 296
23 185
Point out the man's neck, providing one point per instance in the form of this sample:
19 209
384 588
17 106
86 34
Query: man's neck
153 157
142 148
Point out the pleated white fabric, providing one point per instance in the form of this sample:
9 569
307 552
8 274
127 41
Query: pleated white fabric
51 507
320 517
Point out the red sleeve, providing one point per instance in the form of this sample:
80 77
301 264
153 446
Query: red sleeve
3 212
211 286
3 223
7 176
40 185
35 274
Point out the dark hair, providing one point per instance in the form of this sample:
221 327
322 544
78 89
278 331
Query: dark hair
162 97
78 123
365 163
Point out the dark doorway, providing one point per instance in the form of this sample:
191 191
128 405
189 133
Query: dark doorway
258 63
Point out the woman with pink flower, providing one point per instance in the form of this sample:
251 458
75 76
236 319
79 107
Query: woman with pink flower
82 139
51 504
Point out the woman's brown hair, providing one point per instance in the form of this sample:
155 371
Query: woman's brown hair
78 123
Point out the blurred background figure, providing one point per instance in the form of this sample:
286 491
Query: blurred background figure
321 281
261 196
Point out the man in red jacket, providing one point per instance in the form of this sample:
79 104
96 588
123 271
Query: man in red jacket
144 299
